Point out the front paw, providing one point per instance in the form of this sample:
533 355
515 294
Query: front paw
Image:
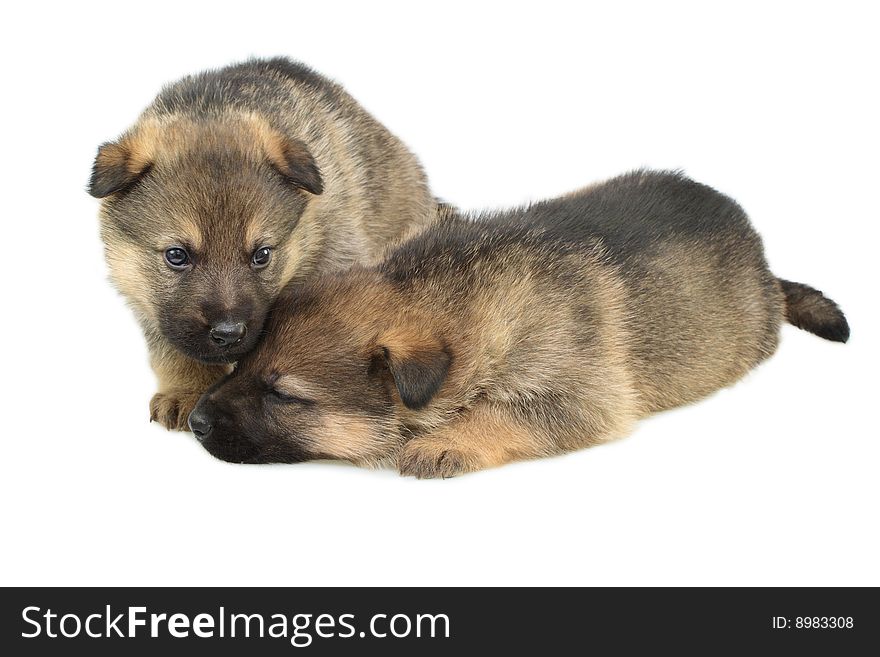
171 409
427 458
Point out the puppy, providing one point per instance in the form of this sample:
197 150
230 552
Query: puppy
512 336
230 185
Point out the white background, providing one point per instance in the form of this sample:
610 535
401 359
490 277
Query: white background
774 481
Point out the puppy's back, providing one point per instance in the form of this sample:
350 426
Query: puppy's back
676 264
703 306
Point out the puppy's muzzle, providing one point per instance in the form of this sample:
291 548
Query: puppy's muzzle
201 423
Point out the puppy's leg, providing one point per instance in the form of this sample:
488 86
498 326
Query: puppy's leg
482 437
182 381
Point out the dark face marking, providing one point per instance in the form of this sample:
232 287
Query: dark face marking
237 421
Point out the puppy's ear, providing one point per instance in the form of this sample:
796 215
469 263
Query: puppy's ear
116 168
292 159
419 366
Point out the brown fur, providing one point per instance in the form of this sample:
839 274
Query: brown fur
513 336
265 153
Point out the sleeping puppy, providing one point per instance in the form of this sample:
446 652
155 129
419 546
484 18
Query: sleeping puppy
512 336
231 184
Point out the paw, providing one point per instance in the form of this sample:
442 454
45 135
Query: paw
426 458
171 409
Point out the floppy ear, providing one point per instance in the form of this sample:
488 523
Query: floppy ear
419 367
292 159
116 168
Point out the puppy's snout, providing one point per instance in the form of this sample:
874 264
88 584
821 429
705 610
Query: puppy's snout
226 334
200 422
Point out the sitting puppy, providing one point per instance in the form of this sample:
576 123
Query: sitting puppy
515 335
231 184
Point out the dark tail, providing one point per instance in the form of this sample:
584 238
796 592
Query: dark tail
812 311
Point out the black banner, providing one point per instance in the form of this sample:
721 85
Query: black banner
278 621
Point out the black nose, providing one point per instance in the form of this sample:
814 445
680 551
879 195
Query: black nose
200 423
224 334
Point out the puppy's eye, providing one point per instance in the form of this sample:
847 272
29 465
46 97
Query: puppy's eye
176 257
261 257
283 397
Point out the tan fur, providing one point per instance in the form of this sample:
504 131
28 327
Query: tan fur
347 438
130 278
181 382
484 437
408 338
296 387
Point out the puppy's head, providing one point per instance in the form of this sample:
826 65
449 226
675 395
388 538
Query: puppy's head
341 360
199 221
